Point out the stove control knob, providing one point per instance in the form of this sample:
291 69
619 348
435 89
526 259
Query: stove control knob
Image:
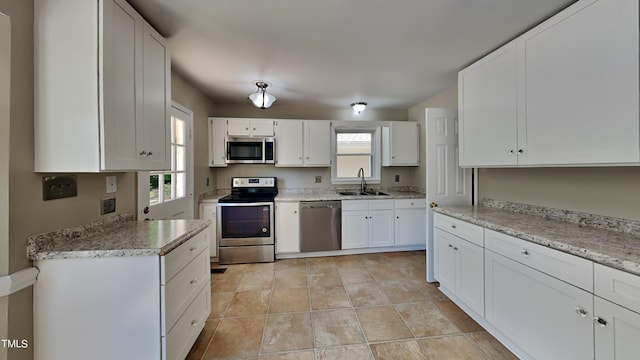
264 229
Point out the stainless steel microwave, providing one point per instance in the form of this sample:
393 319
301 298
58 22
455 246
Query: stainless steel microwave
251 150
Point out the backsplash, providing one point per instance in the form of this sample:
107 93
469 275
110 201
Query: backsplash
599 221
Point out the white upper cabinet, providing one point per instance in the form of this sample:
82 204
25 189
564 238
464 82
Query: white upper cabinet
217 135
250 127
400 143
488 110
564 93
303 142
104 108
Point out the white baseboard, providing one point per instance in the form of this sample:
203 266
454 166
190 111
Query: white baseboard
348 252
17 281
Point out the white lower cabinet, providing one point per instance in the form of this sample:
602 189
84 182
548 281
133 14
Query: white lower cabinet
459 267
617 331
543 316
367 223
287 227
409 225
208 211
123 307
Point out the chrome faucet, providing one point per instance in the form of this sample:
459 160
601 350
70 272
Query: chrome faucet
363 184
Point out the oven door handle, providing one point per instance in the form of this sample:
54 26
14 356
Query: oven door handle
247 204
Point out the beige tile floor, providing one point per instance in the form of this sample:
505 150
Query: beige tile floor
373 306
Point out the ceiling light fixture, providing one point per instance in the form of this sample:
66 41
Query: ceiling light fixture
260 98
358 106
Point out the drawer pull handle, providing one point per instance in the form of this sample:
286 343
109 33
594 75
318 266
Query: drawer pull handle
580 311
600 321
194 322
455 248
192 249
525 253
453 226
450 245
193 282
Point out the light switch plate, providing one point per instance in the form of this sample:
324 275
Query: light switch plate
112 184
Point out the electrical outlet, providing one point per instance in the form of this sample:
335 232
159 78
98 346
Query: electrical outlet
318 179
112 184
59 187
107 206
397 178
207 182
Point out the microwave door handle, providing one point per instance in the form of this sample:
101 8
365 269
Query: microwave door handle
264 150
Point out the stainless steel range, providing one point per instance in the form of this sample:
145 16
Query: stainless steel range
245 228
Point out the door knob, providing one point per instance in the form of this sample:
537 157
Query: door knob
146 210
433 204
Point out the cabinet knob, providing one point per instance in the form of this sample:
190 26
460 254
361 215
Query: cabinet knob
511 152
397 217
520 151
194 322
307 158
295 211
455 248
246 128
454 227
143 153
149 153
193 282
192 249
450 245
525 252
580 311
600 321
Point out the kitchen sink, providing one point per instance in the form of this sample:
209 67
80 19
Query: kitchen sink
353 193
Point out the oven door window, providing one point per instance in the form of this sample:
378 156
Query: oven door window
250 150
245 221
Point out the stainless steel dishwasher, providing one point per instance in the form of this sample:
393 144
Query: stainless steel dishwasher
320 225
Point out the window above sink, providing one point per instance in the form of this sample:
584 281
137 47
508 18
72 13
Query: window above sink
353 148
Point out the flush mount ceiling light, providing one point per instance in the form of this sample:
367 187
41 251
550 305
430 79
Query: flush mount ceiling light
260 98
358 106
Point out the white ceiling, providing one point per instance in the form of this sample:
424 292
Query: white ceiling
391 54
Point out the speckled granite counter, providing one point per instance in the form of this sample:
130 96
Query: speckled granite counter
608 241
114 236
333 195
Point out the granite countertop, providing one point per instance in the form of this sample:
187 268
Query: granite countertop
607 241
117 236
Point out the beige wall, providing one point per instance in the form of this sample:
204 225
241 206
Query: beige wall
445 99
5 71
186 95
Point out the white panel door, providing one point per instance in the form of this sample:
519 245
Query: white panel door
617 331
470 275
582 86
355 229
447 183
488 105
289 144
381 231
317 143
546 317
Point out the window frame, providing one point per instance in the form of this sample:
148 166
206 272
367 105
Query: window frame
376 154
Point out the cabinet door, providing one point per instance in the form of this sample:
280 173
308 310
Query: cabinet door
444 259
154 126
239 127
208 211
617 331
381 228
122 77
287 227
546 317
470 275
261 127
410 228
317 143
217 135
488 109
355 229
289 143
402 146
581 86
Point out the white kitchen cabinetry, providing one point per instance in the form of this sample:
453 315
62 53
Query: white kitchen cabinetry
459 265
303 143
367 223
112 114
546 317
208 212
249 127
400 143
287 227
147 307
617 313
217 136
487 108
571 72
409 225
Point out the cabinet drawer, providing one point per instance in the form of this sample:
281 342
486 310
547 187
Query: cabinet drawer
355 205
572 269
183 254
381 204
183 288
410 203
617 286
183 335
465 230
